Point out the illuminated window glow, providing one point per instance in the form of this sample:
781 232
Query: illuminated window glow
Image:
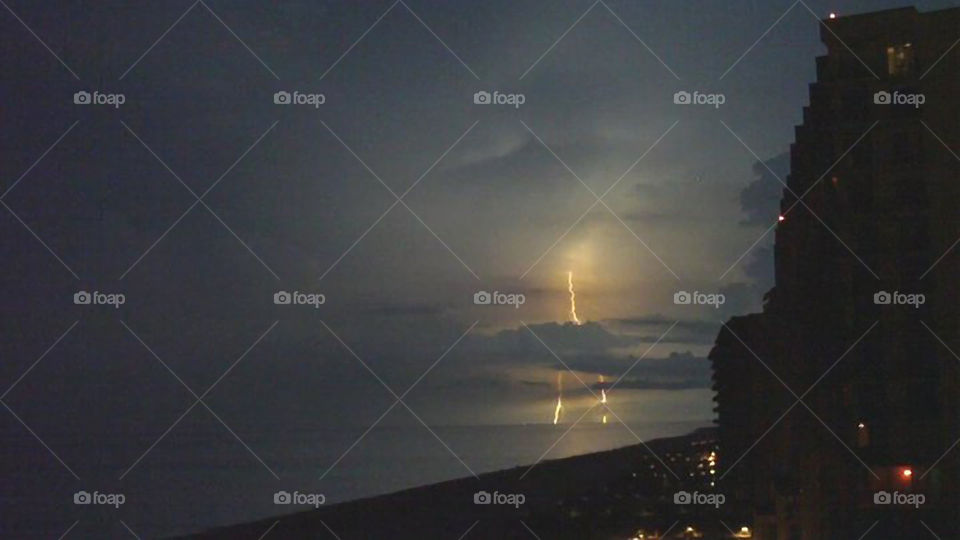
899 59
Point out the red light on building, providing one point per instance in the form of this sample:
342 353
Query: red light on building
906 473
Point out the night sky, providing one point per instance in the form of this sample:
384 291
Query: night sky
199 198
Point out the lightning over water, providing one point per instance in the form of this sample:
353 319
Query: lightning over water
573 300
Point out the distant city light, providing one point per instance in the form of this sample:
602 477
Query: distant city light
907 472
861 425
781 218
833 15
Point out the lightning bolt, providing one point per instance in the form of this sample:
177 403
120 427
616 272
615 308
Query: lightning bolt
573 299
556 413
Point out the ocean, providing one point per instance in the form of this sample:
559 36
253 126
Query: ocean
197 478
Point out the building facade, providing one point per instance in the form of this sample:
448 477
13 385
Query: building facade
838 405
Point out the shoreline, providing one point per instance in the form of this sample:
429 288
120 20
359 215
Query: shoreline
585 489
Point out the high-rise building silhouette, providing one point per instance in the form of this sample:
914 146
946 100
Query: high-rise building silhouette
840 403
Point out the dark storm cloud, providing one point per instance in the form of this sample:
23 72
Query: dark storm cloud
654 218
691 331
675 372
299 204
561 338
678 371
741 298
650 384
760 199
590 348
389 310
504 155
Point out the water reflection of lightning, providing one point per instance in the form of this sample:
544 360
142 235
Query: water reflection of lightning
573 299
603 399
556 413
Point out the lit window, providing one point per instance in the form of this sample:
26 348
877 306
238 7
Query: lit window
863 435
899 59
